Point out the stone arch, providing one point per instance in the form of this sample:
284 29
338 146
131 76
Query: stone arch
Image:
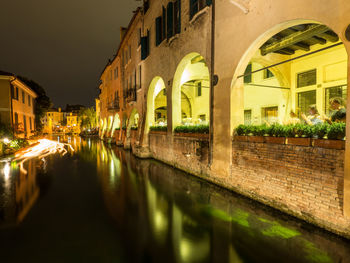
154 90
191 72
237 91
116 124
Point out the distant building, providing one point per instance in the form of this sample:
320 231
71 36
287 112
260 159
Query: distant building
73 124
17 105
53 121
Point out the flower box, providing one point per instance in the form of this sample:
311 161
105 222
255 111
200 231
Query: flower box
259 139
329 144
158 132
275 140
239 138
193 135
299 141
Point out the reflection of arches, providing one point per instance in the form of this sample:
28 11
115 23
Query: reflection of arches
133 123
104 127
116 124
286 73
191 77
156 98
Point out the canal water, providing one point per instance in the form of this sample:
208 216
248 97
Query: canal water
101 204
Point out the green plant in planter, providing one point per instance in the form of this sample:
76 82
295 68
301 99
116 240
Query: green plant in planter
158 128
241 130
259 130
302 130
336 131
320 130
134 128
275 130
117 129
192 129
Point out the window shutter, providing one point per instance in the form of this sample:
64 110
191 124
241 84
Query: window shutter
170 20
164 24
158 30
143 48
193 8
177 16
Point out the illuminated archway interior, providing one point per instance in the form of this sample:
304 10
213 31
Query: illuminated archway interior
311 69
191 91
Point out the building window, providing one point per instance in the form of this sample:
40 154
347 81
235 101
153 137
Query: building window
145 49
248 70
177 17
140 76
197 5
129 52
270 114
334 92
139 37
247 117
116 73
202 117
305 99
23 97
199 89
30 123
17 93
268 74
29 101
25 123
307 78
170 19
16 119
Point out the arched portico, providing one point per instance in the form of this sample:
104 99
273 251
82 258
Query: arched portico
191 80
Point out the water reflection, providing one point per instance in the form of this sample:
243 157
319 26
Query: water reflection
167 216
161 214
19 191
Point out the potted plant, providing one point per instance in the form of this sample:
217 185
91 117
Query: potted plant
335 134
158 130
275 134
256 133
240 133
198 131
298 134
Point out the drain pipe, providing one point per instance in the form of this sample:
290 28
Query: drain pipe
212 84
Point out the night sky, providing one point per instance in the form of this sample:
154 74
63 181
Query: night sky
62 44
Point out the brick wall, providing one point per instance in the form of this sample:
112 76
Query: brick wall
303 181
187 153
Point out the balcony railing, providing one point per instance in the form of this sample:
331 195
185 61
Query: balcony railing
114 105
130 95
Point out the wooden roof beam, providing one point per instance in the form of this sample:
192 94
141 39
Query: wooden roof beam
319 40
299 36
301 46
330 36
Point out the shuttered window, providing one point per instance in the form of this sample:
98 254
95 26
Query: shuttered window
177 16
145 46
164 24
158 30
170 19
197 5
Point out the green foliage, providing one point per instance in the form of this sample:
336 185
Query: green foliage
87 118
17 144
192 129
320 130
241 130
336 131
158 128
275 130
134 128
5 131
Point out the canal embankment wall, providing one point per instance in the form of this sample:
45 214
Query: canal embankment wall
306 182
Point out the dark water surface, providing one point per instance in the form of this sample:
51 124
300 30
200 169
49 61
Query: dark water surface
101 204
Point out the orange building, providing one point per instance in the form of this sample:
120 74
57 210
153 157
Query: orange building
17 105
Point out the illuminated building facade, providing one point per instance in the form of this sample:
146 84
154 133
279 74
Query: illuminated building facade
250 62
17 105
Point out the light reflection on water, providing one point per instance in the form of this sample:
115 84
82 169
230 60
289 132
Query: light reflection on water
193 221
165 215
